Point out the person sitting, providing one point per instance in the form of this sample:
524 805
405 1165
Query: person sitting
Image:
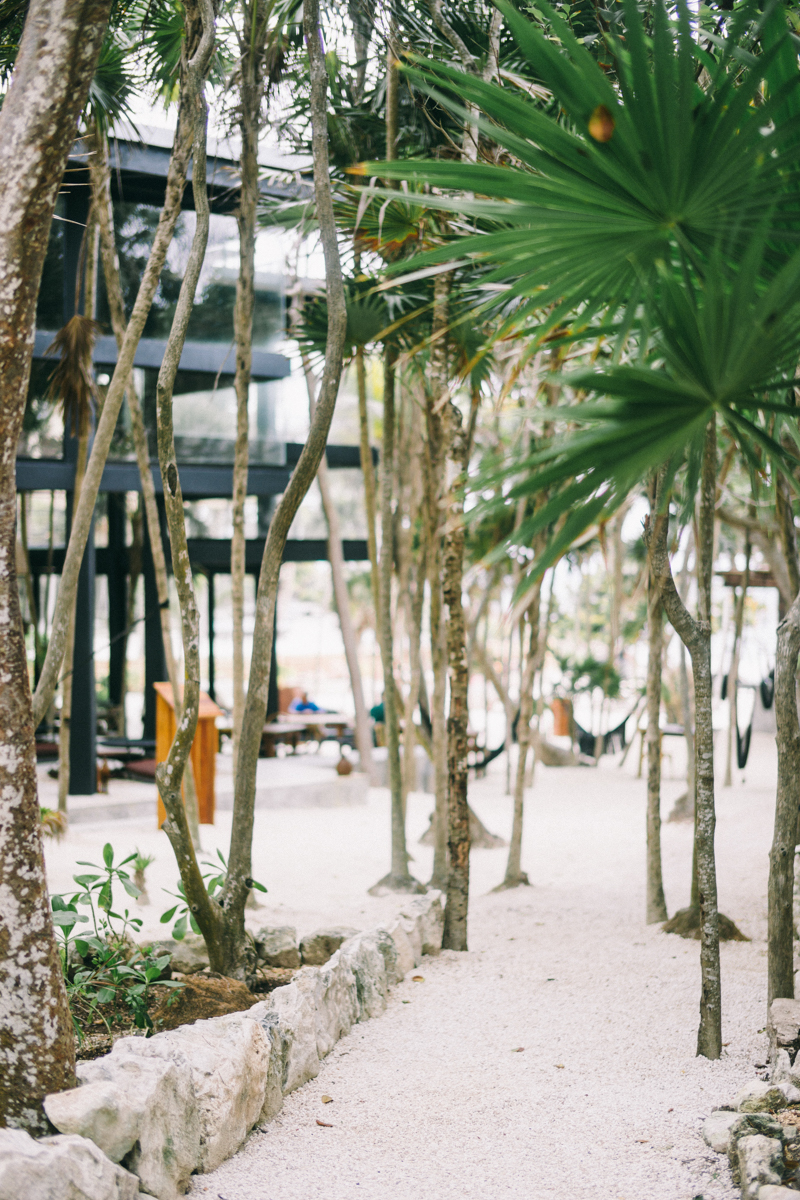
302 704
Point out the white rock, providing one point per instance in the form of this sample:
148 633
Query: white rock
228 1060
773 1191
398 932
102 1111
277 946
297 1017
365 958
318 947
760 1161
65 1167
336 1003
428 915
759 1096
782 1070
269 1022
789 1090
717 1129
138 1109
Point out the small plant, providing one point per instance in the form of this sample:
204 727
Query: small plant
140 864
52 823
215 880
107 976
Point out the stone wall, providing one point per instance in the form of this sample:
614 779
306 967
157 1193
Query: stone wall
155 1110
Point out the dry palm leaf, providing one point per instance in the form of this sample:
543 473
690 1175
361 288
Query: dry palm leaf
72 382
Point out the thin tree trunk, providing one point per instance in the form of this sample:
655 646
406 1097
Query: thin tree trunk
414 606
696 635
65 723
515 876
57 56
399 879
780 923
100 177
238 882
341 597
368 472
656 906
436 396
199 20
458 832
251 48
84 510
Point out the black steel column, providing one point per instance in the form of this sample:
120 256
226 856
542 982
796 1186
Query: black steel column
155 663
211 688
83 728
117 575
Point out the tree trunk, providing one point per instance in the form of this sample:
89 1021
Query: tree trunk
696 636
515 876
656 907
368 471
199 43
458 834
100 178
84 509
65 722
399 879
232 947
251 49
341 597
58 52
780 926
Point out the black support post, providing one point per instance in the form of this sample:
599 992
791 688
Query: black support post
83 728
155 663
211 683
117 574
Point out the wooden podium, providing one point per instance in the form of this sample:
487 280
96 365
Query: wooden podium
203 752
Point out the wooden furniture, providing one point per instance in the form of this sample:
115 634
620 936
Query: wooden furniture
204 748
276 732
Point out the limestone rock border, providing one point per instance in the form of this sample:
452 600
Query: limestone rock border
748 1131
155 1110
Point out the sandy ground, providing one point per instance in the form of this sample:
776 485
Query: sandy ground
555 1058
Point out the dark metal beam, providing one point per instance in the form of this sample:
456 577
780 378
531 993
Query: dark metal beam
214 554
198 480
210 357
139 174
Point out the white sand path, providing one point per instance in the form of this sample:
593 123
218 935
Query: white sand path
605 1100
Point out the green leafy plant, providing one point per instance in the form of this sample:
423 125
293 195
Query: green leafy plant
215 880
106 975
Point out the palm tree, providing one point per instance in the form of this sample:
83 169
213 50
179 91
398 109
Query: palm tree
642 210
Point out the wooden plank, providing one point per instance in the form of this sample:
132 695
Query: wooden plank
203 752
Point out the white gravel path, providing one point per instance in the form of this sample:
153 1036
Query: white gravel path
432 1100
604 1101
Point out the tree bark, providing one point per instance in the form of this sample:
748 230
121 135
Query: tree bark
341 597
398 879
100 178
656 907
515 876
696 636
251 64
57 56
780 925
84 509
239 881
196 59
458 833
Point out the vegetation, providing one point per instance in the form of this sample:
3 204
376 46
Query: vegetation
563 244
